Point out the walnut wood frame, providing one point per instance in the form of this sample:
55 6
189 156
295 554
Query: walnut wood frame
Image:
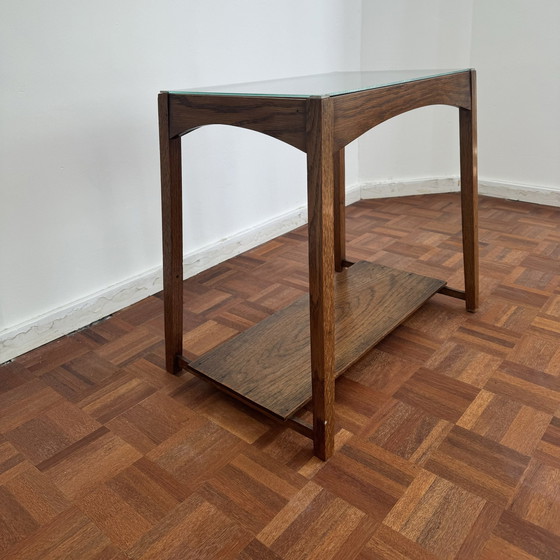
321 127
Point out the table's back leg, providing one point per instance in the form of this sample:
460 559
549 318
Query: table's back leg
339 211
172 229
469 197
320 182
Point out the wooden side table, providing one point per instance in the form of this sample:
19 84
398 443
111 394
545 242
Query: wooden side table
294 356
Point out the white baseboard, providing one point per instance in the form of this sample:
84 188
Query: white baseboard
387 189
497 189
24 337
526 193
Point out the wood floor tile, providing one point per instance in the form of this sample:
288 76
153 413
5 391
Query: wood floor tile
196 451
520 540
355 404
491 339
508 422
526 385
148 489
538 497
464 363
51 355
148 369
234 417
447 440
81 377
12 462
548 449
511 317
116 398
251 489
24 403
130 346
35 493
70 535
437 394
71 471
315 524
141 312
193 530
52 431
367 476
13 375
387 544
413 344
255 550
205 337
107 330
478 464
382 371
517 295
286 446
409 432
16 522
114 516
538 352
150 422
443 518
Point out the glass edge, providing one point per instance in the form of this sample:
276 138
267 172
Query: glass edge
309 95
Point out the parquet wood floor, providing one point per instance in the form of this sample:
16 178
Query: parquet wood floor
448 442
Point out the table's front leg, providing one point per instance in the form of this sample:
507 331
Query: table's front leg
469 197
320 186
172 230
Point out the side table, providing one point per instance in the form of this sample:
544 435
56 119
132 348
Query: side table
293 357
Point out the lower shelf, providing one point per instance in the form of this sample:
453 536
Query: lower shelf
269 364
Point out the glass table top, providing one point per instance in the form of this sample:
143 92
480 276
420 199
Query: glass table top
323 85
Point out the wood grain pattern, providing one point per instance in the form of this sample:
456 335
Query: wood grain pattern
356 113
172 233
269 363
469 195
320 215
447 442
282 118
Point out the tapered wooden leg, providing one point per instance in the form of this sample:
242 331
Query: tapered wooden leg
469 197
339 211
172 228
320 186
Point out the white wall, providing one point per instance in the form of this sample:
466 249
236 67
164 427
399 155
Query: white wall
516 50
79 173
515 47
402 34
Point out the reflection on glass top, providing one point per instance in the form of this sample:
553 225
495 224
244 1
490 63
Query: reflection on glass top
335 83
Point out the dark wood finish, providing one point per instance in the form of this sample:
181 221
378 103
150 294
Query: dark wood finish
339 211
269 364
356 113
172 227
105 455
451 292
320 212
281 118
321 127
469 195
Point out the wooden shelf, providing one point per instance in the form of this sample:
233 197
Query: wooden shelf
269 364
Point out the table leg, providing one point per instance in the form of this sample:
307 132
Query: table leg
469 197
320 192
339 211
172 229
